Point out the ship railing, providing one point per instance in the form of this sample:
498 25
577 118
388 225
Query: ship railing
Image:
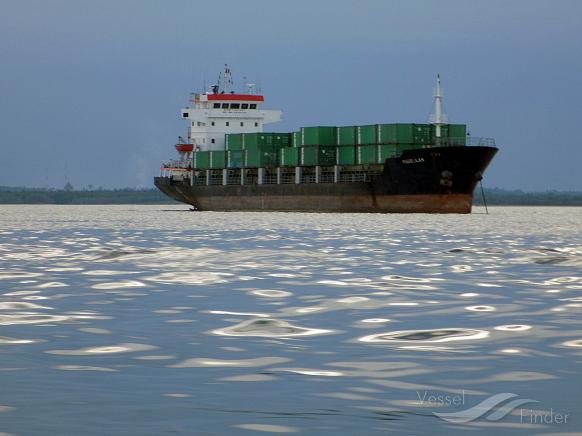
327 177
477 141
355 176
468 140
185 164
287 179
215 178
270 179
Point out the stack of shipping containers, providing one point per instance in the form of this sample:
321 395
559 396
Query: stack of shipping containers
326 145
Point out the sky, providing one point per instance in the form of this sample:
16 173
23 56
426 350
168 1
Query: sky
90 91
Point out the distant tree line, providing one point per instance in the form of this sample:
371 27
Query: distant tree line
505 197
20 195
10 195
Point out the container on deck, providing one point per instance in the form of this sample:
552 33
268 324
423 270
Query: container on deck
312 156
289 156
422 134
296 139
346 135
260 158
346 155
458 134
218 159
366 154
366 134
201 160
235 159
319 135
395 133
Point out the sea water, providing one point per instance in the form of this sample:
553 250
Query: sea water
152 320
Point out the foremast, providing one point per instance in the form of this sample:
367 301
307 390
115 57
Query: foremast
438 118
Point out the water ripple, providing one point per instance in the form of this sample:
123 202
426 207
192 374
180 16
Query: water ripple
269 328
240 363
432 336
105 349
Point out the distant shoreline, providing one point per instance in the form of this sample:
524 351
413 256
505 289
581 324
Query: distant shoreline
103 196
18 195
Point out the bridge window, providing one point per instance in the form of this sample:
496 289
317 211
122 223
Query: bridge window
212 140
224 105
216 106
256 124
212 123
235 106
242 124
184 114
253 105
227 123
244 106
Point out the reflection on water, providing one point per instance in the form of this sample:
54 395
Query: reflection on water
272 328
437 335
139 320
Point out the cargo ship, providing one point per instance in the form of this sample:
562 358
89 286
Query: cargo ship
228 163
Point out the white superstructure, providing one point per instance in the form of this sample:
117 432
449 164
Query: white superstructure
222 111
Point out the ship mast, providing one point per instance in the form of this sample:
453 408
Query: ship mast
226 79
439 118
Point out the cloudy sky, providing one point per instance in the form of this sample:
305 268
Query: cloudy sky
90 91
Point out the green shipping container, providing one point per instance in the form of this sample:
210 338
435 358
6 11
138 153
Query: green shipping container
395 133
318 156
346 135
289 156
281 139
444 131
458 134
233 141
386 151
260 158
422 134
367 134
235 159
346 155
320 135
201 160
366 154
254 141
296 139
217 159
452 134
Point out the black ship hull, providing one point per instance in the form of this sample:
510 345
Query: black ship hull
430 180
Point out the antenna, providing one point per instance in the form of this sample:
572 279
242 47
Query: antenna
226 79
259 87
218 83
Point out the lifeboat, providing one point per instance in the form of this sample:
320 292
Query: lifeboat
184 147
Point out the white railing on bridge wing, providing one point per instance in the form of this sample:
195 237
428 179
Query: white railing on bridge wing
177 164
